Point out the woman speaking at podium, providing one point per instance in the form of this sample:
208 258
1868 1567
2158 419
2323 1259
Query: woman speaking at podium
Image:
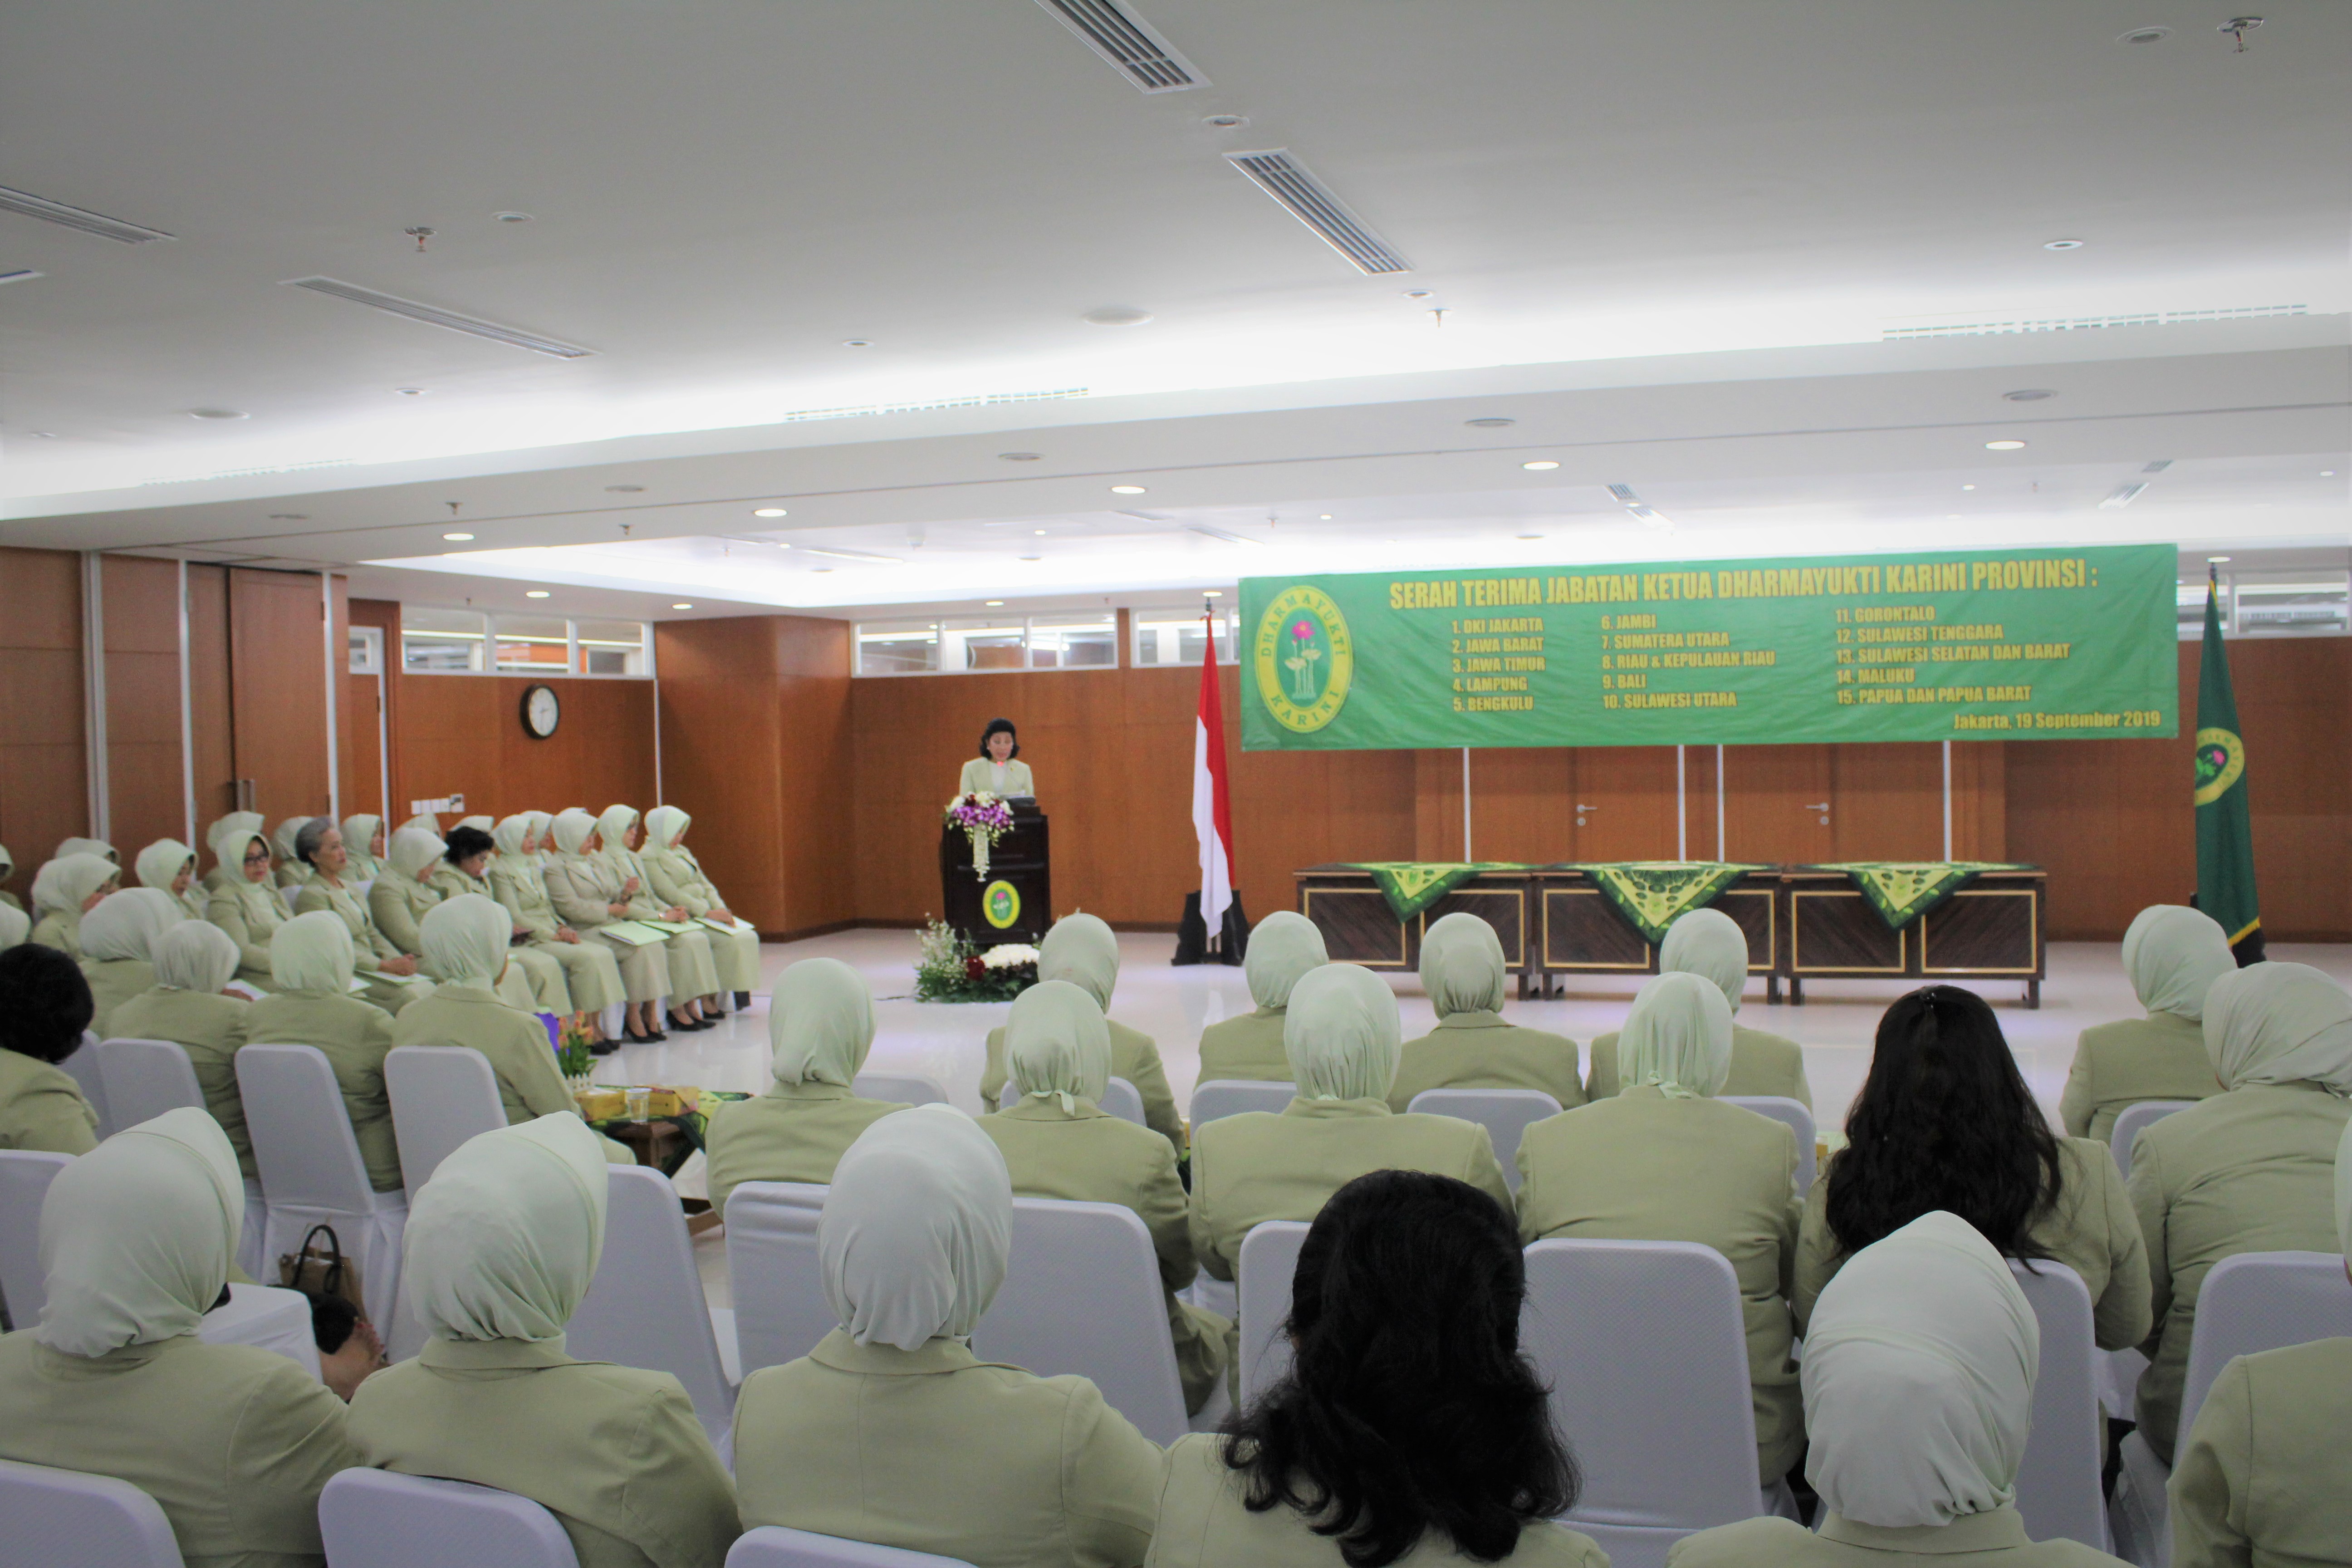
997 770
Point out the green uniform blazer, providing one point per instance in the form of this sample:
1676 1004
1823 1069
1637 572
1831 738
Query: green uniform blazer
355 1036
794 1132
515 1043
250 912
209 1028
1761 1065
523 891
676 877
397 904
113 981
2253 1170
979 777
1478 1050
233 1443
369 947
613 1452
583 888
1261 1165
1249 1047
936 1450
2092 1231
2262 1480
2160 1057
1133 1056
1205 1523
42 1108
1642 1167
1995 1540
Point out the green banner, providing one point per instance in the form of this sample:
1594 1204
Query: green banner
1969 645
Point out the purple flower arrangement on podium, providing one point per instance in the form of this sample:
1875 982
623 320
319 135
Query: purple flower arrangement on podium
984 819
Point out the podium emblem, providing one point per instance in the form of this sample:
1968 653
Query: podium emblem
1304 658
1000 904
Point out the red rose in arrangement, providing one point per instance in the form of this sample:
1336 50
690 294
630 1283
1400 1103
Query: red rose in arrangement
973 969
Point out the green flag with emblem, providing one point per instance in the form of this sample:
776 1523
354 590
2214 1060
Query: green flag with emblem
2225 834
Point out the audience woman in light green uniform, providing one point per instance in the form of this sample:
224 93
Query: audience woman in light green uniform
587 894
363 841
376 960
1709 944
8 870
63 891
590 973
463 868
1918 1384
820 1026
44 1008
2262 1476
677 878
1082 950
15 926
2173 956
313 1005
1663 1160
401 897
891 1430
292 870
1059 1142
118 955
192 961
1472 1048
250 911
695 1002
233 1443
1282 947
98 847
170 866
1342 1034
500 1251
1373 1450
226 839
2251 1170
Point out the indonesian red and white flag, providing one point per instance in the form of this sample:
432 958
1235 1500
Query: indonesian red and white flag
1213 816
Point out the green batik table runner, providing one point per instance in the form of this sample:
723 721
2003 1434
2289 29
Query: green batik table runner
1903 891
1651 894
1411 886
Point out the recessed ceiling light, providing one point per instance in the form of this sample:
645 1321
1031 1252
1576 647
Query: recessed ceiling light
1526 536
857 343
1038 531
1018 457
1327 516
1033 558
2145 36
1490 422
2061 245
2324 473
1951 517
1127 490
2003 446
1212 594
534 593
624 489
768 511
1967 486
1421 293
459 538
2029 395
681 606
2219 560
289 517
1118 316
511 217
1539 465
1224 121
993 603
218 414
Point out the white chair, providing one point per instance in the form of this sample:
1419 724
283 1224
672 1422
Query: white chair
268 1318
145 1078
646 1307
1269 1259
25 1177
64 1516
379 1519
899 1088
441 1096
311 1167
2059 1490
1120 1099
780 1311
291 895
1504 1113
2132 1120
774 1546
1644 1349
1082 1295
1799 1120
1223 1096
83 1067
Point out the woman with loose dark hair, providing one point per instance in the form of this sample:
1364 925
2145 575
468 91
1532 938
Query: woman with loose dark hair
997 770
45 1005
465 869
1409 1428
1945 1121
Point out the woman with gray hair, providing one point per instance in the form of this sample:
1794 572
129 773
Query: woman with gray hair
389 973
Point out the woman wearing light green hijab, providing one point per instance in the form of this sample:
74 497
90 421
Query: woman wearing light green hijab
228 838
65 890
1663 1160
363 841
1343 1037
2251 1169
2173 956
820 1026
590 973
117 949
8 871
695 1002
401 895
291 870
391 975
500 1250
15 926
1282 947
170 866
98 847
192 961
1082 950
310 957
587 895
138 1238
1058 1143
250 911
676 877
1709 944
1472 1048
464 867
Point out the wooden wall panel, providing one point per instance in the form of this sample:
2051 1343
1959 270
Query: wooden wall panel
44 789
385 616
463 734
278 669
141 621
210 701
1887 802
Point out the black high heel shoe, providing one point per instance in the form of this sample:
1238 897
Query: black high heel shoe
634 1039
688 1026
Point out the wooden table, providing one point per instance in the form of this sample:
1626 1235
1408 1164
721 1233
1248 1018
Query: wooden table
1579 932
1359 927
1991 930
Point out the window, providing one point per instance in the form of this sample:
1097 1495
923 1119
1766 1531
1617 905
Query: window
441 642
533 644
366 646
1000 643
1088 641
467 642
1172 634
2270 603
612 647
1072 639
898 647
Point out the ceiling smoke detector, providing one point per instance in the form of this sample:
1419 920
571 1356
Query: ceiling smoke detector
1224 121
2061 245
2145 36
2029 395
289 517
1116 316
1018 457
511 216
218 414
624 489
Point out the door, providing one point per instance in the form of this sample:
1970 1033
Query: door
367 762
1623 804
1779 805
277 678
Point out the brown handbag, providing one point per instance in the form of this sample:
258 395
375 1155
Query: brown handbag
323 1270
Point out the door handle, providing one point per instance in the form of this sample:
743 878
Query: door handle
1824 807
1580 809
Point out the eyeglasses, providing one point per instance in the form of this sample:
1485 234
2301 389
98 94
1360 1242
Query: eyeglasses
257 857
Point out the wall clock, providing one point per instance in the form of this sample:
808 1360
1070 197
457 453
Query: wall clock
541 711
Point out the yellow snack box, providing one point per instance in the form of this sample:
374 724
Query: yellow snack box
671 1101
601 1104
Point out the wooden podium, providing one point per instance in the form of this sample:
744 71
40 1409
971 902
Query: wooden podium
1016 901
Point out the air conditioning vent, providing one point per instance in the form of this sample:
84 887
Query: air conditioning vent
1129 42
1287 181
2158 467
1625 493
1206 531
97 224
2122 496
2086 323
434 316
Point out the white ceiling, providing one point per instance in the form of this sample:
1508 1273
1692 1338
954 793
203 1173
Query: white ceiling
1668 240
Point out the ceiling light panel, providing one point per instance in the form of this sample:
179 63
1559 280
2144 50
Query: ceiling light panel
1129 42
99 224
1289 182
434 316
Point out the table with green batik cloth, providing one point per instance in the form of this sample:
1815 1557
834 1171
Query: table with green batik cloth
1607 917
1374 912
1968 922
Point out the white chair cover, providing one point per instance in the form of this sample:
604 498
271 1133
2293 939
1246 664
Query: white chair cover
290 895
1642 1345
780 1311
83 1066
379 1519
1221 1097
1120 1099
1269 1259
268 1318
145 1078
57 1517
1082 1295
25 1177
646 1305
774 1546
2132 1120
441 1096
1504 1113
1801 1121
2059 1490
311 1168
899 1088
